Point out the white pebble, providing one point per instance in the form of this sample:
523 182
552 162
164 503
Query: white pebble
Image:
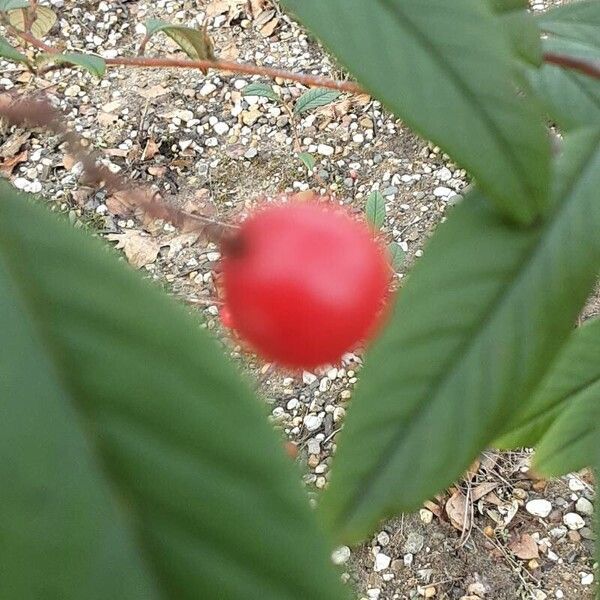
573 521
312 422
325 150
442 192
340 555
382 562
584 507
539 508
221 128
207 89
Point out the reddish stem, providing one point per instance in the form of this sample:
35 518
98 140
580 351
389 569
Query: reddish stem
588 67
235 67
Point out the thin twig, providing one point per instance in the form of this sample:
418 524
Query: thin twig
39 112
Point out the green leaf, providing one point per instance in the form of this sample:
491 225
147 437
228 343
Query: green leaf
45 19
308 160
483 314
10 53
524 33
570 98
521 28
573 378
571 441
397 256
91 63
314 98
6 5
263 90
375 209
578 23
448 71
136 464
195 43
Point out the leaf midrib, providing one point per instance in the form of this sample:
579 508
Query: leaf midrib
505 144
391 449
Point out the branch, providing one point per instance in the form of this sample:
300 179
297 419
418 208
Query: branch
588 67
235 67
203 65
39 112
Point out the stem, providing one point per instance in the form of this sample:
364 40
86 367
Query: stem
588 67
235 67
203 65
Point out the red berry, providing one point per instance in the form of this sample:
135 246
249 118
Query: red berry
305 282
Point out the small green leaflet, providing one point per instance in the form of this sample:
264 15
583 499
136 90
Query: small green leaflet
263 90
194 42
375 209
397 256
6 5
314 98
308 160
91 63
10 53
45 19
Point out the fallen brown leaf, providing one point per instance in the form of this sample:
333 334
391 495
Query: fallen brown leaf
524 547
269 29
458 511
13 144
157 170
482 490
117 204
434 508
139 249
150 150
8 165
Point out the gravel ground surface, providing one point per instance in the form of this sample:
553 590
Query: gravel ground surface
211 150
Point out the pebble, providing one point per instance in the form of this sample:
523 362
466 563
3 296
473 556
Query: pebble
313 422
221 128
573 521
72 91
340 555
382 562
587 578
444 174
584 507
313 447
575 485
383 539
558 532
207 89
414 543
476 589
587 534
426 516
325 150
539 508
442 192
308 377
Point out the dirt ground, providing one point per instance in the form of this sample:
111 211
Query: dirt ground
207 148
